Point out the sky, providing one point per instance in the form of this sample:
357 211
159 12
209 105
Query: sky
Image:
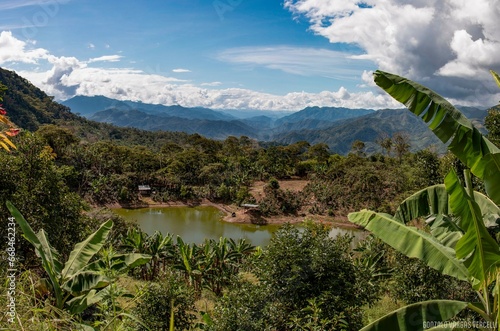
253 54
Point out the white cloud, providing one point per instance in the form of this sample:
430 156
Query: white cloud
69 76
213 84
106 58
15 50
297 60
472 55
449 44
91 46
180 70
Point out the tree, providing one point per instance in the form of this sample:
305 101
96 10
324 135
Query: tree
58 138
309 265
305 278
163 297
37 186
385 142
358 147
427 168
320 152
401 144
458 246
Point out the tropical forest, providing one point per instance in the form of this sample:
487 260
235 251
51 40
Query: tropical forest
420 250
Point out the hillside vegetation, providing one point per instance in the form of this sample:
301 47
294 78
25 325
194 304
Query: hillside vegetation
89 269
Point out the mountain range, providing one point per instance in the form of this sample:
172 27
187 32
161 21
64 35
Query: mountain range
335 126
29 107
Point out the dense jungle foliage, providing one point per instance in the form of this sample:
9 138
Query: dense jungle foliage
65 169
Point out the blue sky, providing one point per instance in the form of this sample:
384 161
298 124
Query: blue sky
245 53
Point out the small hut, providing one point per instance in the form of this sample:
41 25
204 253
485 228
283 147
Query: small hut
145 190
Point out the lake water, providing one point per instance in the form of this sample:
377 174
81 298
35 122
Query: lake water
194 224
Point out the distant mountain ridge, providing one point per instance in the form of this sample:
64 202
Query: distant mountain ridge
215 129
88 106
326 114
29 108
336 126
340 136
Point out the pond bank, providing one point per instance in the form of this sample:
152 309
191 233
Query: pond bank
236 214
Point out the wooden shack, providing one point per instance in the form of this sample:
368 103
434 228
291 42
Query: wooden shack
145 190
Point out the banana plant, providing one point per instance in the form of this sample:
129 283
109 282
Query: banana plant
159 247
458 243
478 154
78 283
189 263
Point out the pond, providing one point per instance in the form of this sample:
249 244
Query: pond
194 224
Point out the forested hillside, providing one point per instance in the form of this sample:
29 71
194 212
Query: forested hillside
66 171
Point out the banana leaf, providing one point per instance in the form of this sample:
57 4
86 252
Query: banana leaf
82 302
477 246
450 126
43 249
120 263
418 316
412 242
85 250
85 281
445 229
496 77
432 200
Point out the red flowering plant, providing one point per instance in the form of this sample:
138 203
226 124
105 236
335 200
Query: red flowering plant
7 128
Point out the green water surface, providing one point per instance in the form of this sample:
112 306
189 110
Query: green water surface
195 224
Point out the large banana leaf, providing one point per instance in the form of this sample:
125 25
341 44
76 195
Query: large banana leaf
445 229
450 126
43 249
82 302
477 246
412 242
85 281
418 316
432 200
120 263
85 250
489 210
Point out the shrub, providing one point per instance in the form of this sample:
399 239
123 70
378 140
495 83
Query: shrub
414 281
154 307
304 277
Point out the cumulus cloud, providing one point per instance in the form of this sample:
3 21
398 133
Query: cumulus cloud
69 76
15 50
444 44
180 70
